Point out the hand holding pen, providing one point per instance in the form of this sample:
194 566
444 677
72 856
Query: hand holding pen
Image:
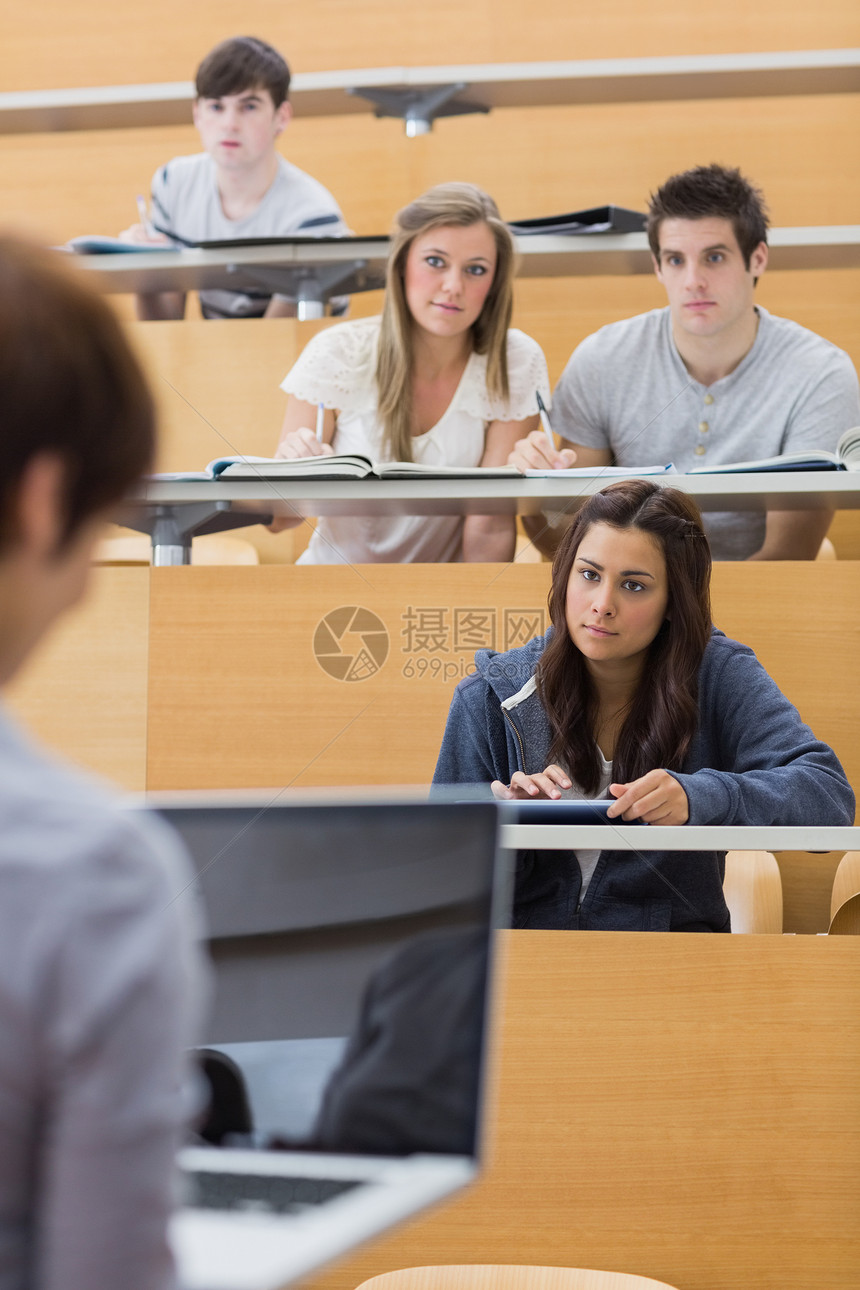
538 451
143 232
299 440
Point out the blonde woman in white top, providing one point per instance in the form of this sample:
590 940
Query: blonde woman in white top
439 378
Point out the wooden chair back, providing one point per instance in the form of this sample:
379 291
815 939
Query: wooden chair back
846 881
753 891
508 1277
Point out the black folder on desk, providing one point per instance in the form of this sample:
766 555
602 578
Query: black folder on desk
599 219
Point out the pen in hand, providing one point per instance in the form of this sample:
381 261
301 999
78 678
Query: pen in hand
544 420
320 421
144 217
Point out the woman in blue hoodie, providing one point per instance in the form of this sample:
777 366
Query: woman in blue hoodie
632 693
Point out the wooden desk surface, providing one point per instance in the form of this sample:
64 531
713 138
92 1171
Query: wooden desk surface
682 1107
515 494
539 256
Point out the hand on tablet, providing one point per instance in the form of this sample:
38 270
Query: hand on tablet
525 788
656 798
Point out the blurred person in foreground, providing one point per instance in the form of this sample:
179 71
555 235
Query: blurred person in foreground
100 974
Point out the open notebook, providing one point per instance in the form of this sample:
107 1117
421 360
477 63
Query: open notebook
352 949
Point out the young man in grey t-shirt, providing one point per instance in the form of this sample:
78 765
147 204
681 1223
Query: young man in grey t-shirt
710 379
239 186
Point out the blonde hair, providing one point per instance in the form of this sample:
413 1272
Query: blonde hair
447 205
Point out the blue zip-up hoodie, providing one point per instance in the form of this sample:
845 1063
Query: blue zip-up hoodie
752 761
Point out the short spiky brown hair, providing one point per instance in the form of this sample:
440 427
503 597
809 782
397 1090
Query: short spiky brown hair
243 63
710 192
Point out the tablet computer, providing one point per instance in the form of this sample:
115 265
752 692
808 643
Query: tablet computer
564 812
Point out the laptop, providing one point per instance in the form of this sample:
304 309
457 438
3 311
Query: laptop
353 954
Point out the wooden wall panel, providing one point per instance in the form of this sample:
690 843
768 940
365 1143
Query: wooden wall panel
681 1107
84 692
217 386
533 160
87 44
280 718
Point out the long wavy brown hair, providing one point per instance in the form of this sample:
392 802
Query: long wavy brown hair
454 205
663 713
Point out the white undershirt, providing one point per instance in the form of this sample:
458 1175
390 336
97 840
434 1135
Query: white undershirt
588 859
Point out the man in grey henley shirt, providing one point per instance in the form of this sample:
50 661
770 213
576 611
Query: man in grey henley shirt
708 380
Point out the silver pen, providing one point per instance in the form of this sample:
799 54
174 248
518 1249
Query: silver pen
544 420
144 217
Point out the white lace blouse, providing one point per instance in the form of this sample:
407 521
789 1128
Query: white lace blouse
337 368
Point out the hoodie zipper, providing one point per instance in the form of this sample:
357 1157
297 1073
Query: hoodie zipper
521 747
519 737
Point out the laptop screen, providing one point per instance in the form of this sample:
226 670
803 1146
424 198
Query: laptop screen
351 946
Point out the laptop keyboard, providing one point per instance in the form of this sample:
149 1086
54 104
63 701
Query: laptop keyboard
263 1193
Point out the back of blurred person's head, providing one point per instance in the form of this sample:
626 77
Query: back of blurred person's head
70 389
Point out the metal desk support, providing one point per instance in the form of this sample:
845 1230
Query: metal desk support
172 527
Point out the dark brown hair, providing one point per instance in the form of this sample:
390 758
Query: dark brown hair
243 63
710 192
69 386
663 714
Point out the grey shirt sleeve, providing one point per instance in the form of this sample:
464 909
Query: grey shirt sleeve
828 405
766 765
121 1000
578 411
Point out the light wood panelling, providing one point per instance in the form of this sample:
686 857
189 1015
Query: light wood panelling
681 1107
87 44
217 386
279 717
259 660
844 533
534 161
807 881
84 692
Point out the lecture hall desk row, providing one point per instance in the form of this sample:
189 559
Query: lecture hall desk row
681 1107
228 677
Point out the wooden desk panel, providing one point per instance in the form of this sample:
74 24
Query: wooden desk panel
700 1127
88 45
85 691
237 697
217 386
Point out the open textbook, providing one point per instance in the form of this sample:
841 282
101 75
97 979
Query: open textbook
343 466
846 457
357 466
